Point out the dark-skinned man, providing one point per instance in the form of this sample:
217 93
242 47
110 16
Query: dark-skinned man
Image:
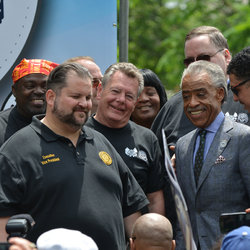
29 87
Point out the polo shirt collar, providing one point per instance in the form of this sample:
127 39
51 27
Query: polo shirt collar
49 135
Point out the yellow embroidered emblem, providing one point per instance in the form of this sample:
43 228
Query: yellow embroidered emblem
49 159
106 158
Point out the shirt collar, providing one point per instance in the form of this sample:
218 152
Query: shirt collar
214 126
49 135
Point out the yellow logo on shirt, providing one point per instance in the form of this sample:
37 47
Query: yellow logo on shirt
49 159
105 157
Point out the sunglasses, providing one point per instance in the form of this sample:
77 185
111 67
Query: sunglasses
96 82
190 60
234 89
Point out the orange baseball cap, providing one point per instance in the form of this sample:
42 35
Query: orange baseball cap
26 67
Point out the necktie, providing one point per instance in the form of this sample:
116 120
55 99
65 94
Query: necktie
199 155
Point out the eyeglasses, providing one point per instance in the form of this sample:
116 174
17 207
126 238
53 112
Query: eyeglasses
96 82
234 89
205 57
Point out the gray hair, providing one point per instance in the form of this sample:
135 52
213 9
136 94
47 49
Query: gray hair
128 69
213 70
58 77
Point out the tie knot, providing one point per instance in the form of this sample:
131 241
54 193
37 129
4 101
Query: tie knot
203 133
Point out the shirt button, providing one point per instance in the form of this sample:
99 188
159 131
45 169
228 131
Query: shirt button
70 144
78 153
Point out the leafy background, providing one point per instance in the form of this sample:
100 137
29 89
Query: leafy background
157 30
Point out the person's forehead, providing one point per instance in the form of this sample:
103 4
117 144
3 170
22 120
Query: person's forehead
234 79
35 77
92 67
149 87
76 84
122 81
196 81
73 77
198 45
121 77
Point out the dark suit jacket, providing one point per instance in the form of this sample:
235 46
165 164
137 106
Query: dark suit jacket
224 183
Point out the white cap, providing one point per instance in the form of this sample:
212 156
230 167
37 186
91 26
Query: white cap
65 239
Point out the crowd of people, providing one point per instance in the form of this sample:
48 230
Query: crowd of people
82 152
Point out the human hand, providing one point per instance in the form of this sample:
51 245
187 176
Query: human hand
173 159
247 210
21 244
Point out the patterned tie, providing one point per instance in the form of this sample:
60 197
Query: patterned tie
199 155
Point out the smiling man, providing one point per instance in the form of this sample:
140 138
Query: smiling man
239 74
29 87
65 174
212 161
137 145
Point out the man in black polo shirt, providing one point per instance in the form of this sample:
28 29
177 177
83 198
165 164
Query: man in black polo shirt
29 87
138 146
66 175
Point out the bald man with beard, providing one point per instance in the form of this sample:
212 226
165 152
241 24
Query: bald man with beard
152 232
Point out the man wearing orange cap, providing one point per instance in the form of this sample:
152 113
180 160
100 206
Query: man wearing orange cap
29 87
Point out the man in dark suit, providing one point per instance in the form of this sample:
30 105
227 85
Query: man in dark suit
201 43
207 43
212 161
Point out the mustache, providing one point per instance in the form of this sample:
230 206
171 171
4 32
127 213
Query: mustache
81 109
195 109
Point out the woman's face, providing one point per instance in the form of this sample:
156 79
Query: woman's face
147 107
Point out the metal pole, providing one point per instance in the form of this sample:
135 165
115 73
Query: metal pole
123 30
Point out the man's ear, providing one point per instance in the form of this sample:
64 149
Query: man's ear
220 94
50 97
99 91
227 56
131 244
173 245
13 88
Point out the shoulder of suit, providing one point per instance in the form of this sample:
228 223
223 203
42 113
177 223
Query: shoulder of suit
236 125
187 137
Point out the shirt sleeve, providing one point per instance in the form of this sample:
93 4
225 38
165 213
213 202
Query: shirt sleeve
134 198
157 173
11 187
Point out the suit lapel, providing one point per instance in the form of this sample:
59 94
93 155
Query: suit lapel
217 147
190 160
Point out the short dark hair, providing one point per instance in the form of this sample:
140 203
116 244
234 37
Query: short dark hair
240 64
58 77
152 80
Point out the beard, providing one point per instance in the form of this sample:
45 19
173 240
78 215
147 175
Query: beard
70 117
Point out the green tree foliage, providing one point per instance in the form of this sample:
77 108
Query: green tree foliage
157 30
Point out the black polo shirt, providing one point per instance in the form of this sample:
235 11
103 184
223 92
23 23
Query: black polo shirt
139 148
10 122
87 188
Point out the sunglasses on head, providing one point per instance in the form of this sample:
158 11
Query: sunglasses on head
234 89
96 82
204 57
